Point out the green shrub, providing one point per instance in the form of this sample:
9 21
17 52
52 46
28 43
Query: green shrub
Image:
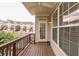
7 36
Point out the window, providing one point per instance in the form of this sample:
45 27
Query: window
74 34
55 17
65 18
72 3
61 20
60 9
68 27
73 49
65 6
66 47
63 14
74 14
61 40
64 39
55 34
42 30
66 33
54 21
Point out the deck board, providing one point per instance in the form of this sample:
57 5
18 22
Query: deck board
38 49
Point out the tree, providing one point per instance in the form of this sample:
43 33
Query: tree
17 28
1 27
24 28
12 27
31 29
4 27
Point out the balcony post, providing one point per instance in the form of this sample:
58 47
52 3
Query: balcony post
34 38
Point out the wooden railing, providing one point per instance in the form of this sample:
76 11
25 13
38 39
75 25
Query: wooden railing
13 48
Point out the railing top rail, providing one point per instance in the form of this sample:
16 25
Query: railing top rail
14 41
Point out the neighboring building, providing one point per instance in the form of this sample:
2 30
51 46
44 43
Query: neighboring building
12 25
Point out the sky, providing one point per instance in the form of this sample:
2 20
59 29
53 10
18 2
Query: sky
15 11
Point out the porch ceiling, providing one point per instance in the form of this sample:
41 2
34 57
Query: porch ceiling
40 8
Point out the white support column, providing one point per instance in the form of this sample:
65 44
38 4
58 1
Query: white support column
58 28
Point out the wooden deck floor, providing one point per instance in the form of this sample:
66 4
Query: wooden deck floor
38 49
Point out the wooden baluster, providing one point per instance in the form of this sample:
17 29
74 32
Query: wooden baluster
7 51
29 37
10 50
34 38
17 46
2 52
23 43
14 49
26 40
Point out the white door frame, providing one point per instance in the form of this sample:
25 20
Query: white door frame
43 40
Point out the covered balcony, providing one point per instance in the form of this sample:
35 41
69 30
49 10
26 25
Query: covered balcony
33 44
56 31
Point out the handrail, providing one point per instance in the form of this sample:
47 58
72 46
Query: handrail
14 47
13 41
